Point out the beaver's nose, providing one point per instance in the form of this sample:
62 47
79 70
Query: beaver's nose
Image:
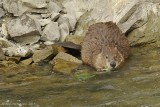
113 64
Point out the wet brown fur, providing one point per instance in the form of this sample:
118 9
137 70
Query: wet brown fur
102 36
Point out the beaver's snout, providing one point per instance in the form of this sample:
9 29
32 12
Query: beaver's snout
113 64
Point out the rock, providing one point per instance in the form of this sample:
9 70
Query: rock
19 7
41 55
65 63
24 30
72 6
54 16
27 40
148 33
2 13
44 22
67 57
38 11
64 31
52 6
153 1
48 43
4 31
34 47
2 56
51 32
69 45
83 24
74 39
78 15
134 13
36 17
69 20
4 43
72 21
101 9
45 54
154 68
47 15
17 51
57 49
14 6
21 26
36 3
13 59
1 3
63 20
124 9
6 64
27 61
63 66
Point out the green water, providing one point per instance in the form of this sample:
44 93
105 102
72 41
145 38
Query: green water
136 84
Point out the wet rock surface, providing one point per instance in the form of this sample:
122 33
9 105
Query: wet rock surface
65 63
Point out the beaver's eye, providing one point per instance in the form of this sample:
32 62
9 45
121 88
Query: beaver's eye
106 57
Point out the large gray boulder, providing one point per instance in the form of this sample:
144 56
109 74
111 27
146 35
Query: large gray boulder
148 33
24 30
141 19
131 13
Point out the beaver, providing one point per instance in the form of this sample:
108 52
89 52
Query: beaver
104 47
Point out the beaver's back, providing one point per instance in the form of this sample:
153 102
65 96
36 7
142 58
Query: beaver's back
103 34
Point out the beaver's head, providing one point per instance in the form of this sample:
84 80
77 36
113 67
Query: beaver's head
108 59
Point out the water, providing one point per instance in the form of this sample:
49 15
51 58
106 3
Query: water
136 84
